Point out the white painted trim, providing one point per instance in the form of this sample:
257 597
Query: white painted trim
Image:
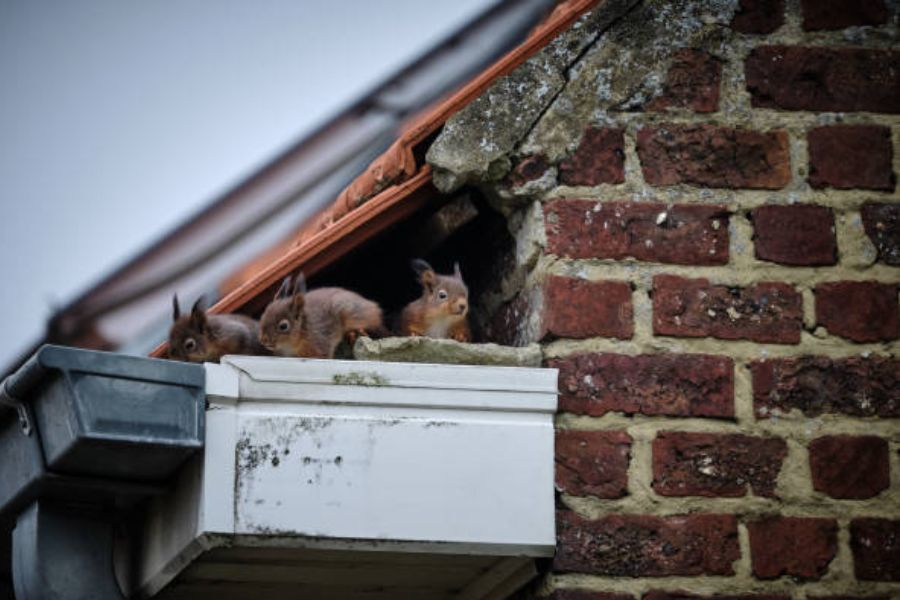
517 389
366 456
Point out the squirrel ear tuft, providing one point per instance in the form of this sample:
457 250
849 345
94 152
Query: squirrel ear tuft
299 284
285 289
298 299
456 272
426 274
198 315
420 266
176 310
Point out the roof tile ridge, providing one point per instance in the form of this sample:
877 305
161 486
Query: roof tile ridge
398 162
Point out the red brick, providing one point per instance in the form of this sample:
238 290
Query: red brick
797 547
717 157
678 385
799 235
882 224
681 234
838 14
758 16
578 308
823 79
765 312
660 595
876 549
861 311
850 467
527 169
851 156
593 463
710 464
692 83
599 158
645 546
815 385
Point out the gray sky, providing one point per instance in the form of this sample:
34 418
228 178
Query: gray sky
119 119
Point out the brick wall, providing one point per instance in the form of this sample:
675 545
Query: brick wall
715 273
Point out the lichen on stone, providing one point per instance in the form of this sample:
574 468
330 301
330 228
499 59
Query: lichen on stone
428 350
363 378
615 58
475 143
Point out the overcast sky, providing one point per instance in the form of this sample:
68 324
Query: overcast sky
119 119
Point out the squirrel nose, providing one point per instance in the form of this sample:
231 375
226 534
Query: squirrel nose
461 306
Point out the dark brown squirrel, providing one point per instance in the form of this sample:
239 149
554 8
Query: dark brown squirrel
442 310
311 324
198 337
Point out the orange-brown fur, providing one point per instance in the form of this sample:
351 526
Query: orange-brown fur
198 337
312 324
442 311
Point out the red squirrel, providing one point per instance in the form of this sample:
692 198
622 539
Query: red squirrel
312 323
442 310
198 337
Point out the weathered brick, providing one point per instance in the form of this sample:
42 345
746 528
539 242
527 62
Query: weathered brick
578 308
876 549
849 466
765 312
680 385
710 464
711 156
593 463
758 16
882 224
797 547
838 14
815 385
680 234
647 546
851 156
801 235
692 83
528 169
599 158
861 311
823 79
510 323
678 595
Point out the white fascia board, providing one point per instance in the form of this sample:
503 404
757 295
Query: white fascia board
363 456
469 387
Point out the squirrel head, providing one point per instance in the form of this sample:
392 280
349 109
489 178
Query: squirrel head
284 319
444 294
190 337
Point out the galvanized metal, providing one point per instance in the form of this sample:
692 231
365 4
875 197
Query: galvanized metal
63 554
98 415
88 434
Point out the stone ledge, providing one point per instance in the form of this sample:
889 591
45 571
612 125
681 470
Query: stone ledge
428 350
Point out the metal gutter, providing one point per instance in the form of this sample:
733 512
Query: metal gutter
84 436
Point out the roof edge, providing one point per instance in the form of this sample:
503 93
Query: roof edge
375 199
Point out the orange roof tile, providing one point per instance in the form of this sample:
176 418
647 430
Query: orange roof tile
390 189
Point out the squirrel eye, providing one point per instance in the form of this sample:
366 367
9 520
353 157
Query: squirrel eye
190 344
284 325
442 295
